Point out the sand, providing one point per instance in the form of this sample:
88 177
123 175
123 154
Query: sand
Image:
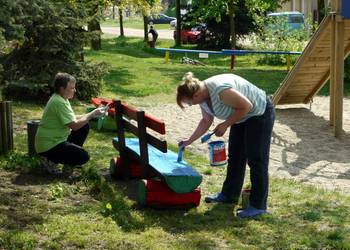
303 144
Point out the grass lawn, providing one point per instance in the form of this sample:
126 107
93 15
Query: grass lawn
92 211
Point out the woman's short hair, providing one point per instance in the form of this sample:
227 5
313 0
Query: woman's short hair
61 80
187 88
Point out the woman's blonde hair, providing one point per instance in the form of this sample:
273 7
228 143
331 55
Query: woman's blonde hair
187 88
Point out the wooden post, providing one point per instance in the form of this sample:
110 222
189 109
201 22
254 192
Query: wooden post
288 62
6 127
142 134
167 56
232 62
332 72
338 69
121 138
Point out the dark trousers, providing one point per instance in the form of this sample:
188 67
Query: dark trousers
70 152
249 142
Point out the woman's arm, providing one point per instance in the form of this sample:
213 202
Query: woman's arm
239 102
84 119
202 127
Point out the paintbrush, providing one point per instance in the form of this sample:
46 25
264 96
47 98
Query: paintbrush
206 137
180 153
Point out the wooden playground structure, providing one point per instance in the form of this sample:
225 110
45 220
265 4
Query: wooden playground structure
322 60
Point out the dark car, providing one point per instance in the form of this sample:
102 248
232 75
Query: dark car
160 18
192 35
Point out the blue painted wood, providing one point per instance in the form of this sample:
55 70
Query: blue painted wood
190 51
179 176
346 9
244 52
231 51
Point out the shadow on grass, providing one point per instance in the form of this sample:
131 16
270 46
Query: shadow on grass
267 80
133 47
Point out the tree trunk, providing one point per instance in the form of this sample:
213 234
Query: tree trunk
145 28
94 26
321 11
231 15
121 22
178 23
113 13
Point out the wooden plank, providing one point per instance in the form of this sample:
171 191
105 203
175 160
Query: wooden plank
319 34
130 127
155 124
318 86
332 75
129 112
305 82
339 78
159 144
291 100
319 58
143 143
155 142
150 122
317 64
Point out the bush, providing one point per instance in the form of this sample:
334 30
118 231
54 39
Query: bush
89 80
22 90
279 38
89 83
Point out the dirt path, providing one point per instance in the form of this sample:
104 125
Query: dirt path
303 145
162 34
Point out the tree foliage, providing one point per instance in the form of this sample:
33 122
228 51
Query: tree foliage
246 15
49 38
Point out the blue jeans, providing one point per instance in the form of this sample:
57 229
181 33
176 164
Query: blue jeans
249 142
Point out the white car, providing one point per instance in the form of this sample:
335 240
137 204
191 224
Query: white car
173 23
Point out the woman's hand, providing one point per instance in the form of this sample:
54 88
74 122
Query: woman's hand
220 129
98 112
184 143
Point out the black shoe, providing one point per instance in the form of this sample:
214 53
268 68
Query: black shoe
67 170
49 166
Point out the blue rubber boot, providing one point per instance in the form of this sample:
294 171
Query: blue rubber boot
217 198
251 212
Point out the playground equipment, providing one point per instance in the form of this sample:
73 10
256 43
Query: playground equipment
6 127
322 59
232 53
164 181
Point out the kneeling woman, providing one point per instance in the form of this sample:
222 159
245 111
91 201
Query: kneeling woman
61 134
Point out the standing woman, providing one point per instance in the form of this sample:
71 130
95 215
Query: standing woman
61 134
250 115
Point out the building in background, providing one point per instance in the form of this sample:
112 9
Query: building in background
307 7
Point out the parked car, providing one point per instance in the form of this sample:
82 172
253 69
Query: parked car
160 18
288 21
192 35
173 23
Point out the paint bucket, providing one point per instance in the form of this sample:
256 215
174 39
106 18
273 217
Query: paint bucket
217 153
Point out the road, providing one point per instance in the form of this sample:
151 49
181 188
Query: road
162 34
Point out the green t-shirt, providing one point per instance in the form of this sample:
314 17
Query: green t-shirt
53 127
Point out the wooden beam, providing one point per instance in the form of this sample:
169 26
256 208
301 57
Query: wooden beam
339 77
320 33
